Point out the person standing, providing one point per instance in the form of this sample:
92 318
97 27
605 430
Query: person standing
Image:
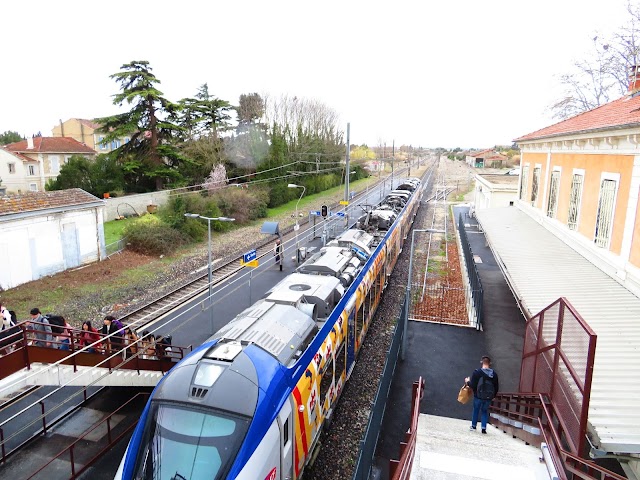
485 386
277 251
42 329
113 326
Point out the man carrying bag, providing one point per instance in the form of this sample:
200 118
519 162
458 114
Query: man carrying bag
484 383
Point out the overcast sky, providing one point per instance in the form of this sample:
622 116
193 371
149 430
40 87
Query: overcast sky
462 73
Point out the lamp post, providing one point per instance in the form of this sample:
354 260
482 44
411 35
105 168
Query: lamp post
209 219
347 195
296 227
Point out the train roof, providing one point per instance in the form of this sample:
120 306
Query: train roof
278 329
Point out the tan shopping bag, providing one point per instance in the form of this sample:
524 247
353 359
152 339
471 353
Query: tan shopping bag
465 394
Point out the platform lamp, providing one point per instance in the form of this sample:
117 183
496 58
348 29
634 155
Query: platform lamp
209 219
296 227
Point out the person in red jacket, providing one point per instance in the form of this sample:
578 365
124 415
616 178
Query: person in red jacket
88 336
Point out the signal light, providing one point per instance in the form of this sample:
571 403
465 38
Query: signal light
324 210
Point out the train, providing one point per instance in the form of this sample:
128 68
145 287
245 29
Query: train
252 401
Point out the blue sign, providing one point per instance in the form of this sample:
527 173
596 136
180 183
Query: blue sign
338 214
249 256
315 213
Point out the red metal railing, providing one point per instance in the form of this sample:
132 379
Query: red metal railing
111 441
536 410
557 360
401 469
19 351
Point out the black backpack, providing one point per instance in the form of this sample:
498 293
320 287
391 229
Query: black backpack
486 390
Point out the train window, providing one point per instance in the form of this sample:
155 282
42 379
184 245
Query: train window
341 361
285 433
192 442
327 380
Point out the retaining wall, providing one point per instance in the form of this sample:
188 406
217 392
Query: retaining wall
131 204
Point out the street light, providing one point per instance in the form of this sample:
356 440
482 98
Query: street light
296 227
209 219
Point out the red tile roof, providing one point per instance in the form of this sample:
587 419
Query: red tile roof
33 201
50 145
22 157
89 123
624 112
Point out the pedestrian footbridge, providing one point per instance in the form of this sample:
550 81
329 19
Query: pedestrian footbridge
101 363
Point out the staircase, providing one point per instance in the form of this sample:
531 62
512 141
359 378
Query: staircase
447 450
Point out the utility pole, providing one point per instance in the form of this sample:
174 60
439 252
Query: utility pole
347 174
393 157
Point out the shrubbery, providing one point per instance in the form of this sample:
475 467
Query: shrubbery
150 236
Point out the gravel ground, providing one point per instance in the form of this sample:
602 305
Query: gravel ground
340 444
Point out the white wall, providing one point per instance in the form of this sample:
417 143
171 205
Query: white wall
488 195
32 247
139 202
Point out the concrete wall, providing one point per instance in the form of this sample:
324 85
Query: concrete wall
35 246
130 204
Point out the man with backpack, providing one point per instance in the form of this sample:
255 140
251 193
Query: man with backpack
485 386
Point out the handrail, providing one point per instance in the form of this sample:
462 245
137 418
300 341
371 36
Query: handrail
401 469
111 442
567 464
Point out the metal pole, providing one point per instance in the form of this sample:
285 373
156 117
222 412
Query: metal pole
347 175
210 275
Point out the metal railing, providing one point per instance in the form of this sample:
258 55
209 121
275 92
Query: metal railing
116 247
557 359
475 284
537 410
370 439
401 469
114 434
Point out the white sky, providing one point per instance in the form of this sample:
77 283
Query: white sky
432 73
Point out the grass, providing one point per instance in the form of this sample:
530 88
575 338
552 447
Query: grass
113 229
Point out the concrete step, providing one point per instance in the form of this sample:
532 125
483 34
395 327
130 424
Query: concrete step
447 450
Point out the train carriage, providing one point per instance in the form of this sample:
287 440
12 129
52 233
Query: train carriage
251 402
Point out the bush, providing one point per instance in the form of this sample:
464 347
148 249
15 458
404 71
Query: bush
150 236
243 205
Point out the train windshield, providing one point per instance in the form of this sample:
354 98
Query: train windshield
182 443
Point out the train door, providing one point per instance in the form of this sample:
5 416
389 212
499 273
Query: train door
285 423
351 333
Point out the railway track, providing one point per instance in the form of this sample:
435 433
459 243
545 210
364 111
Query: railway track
229 266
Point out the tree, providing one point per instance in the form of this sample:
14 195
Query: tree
97 177
250 109
149 124
204 115
604 76
9 137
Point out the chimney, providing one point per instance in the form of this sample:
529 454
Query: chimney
634 80
29 143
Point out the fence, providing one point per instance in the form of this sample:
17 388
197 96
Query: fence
475 284
368 443
557 359
116 247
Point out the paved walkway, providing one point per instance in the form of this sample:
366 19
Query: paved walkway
444 355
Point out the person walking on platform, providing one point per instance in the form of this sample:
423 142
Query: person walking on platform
485 386
42 329
277 251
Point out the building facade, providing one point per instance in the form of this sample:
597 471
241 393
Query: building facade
26 166
493 191
580 178
84 131
47 232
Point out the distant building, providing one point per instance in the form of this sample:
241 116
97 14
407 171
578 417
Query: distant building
489 158
28 165
493 191
84 131
47 232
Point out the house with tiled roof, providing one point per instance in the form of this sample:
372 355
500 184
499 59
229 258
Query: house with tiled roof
28 165
84 131
581 178
47 232
488 158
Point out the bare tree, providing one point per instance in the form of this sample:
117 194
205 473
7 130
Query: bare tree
605 76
